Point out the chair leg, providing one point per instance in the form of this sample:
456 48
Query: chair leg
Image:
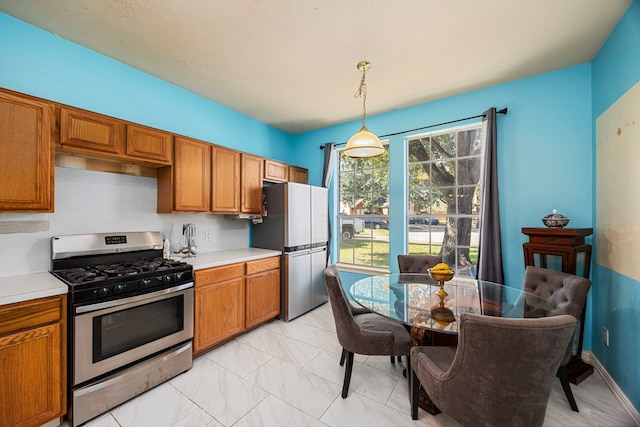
393 359
344 354
564 380
406 371
347 375
414 387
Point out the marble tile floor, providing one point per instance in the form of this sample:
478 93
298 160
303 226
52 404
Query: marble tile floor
287 374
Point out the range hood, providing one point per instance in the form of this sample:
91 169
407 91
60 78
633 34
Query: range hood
255 218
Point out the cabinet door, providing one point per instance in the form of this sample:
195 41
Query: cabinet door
299 175
33 360
27 132
90 132
31 382
219 312
263 297
149 144
251 199
225 183
192 175
275 171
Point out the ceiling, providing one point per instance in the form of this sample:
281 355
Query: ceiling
292 63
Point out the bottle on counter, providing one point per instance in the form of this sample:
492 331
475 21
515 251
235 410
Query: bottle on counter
166 249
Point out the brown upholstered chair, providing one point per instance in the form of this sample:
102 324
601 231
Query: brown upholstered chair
500 374
417 263
562 292
366 333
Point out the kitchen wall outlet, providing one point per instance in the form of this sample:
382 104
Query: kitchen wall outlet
207 236
605 336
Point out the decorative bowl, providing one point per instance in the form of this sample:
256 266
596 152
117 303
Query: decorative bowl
441 275
555 220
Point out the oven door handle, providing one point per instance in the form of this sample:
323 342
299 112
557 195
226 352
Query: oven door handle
123 301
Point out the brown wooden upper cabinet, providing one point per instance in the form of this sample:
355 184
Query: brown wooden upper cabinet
186 186
299 175
149 144
275 171
27 135
251 184
225 180
90 132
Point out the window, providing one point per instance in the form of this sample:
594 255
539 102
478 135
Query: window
444 196
364 210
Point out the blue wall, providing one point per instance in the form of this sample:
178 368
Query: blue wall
615 70
544 153
41 64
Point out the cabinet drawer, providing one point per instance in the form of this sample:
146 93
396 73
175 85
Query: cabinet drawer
218 274
262 265
22 315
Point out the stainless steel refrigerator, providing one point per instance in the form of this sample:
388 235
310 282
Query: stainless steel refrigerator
296 224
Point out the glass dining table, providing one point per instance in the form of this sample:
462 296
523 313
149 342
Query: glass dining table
419 301
430 309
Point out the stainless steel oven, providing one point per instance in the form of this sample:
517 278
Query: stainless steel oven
117 333
130 317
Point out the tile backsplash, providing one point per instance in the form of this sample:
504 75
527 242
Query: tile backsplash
100 202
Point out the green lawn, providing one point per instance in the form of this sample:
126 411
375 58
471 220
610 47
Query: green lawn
376 253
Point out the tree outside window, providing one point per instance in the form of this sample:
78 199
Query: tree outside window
444 196
364 210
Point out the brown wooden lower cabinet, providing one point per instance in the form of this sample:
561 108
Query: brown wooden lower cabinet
33 362
262 290
233 298
219 303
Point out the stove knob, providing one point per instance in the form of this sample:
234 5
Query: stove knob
144 283
178 276
102 292
167 278
118 289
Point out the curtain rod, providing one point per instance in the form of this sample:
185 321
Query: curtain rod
503 111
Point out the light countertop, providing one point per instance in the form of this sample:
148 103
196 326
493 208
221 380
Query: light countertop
26 287
232 256
39 285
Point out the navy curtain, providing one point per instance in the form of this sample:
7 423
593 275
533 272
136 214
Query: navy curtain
490 246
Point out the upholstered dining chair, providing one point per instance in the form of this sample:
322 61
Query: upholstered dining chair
562 292
500 374
366 333
417 263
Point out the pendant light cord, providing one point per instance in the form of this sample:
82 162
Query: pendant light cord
362 92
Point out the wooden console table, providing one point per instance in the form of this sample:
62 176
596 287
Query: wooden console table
568 244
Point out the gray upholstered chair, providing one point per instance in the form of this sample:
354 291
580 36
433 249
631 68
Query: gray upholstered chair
500 374
417 263
366 333
562 292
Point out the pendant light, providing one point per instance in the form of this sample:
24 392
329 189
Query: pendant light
363 143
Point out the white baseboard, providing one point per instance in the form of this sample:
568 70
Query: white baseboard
588 357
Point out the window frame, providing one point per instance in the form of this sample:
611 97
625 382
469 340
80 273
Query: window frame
453 254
